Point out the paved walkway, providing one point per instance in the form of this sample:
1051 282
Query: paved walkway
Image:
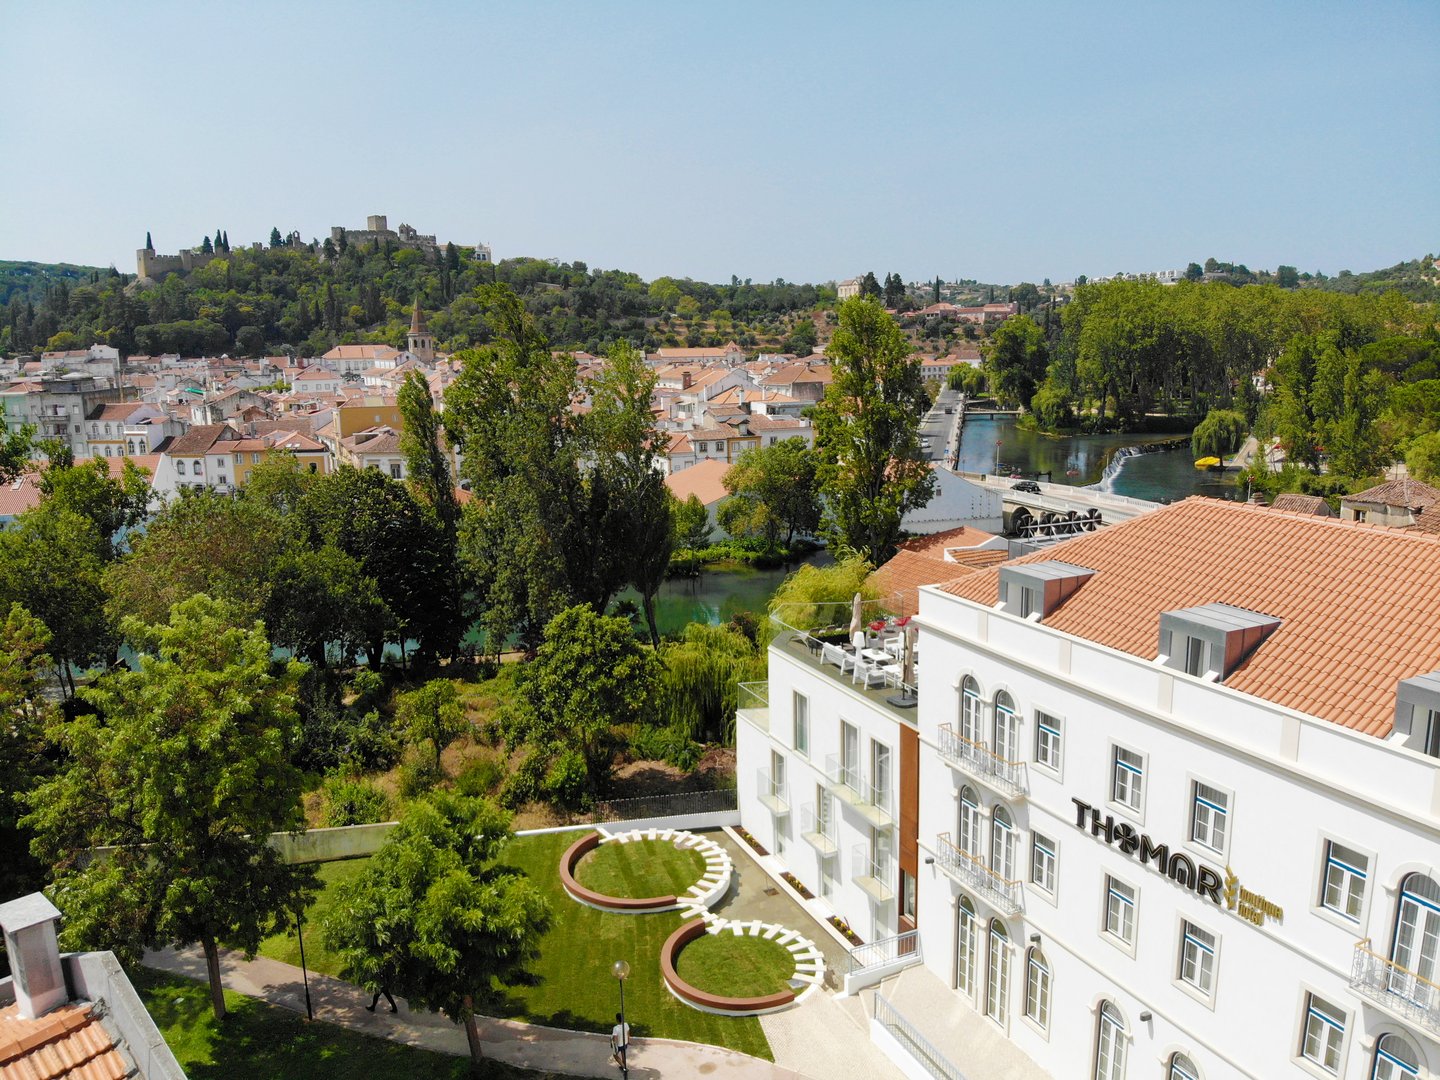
530 1046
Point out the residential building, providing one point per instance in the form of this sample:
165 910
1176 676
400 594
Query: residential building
72 1015
1395 503
57 407
706 481
728 354
1171 789
107 427
848 288
374 448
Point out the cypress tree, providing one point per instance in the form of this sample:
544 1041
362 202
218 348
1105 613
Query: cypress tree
149 244
225 238
219 244
206 247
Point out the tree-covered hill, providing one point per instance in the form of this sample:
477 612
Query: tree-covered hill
1417 279
250 302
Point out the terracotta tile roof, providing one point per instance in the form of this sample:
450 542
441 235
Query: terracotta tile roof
65 1042
704 478
147 462
1303 504
200 438
360 352
117 410
933 544
1359 606
19 495
977 558
907 571
1429 519
1407 492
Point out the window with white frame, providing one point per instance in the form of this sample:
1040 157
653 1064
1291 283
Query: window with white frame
970 711
997 984
802 724
966 946
1007 728
1127 778
1181 1068
1002 844
1324 1033
1042 862
1047 741
1209 815
1342 888
968 836
1197 957
1395 1059
179 468
1119 910
1110 1044
702 447
1037 988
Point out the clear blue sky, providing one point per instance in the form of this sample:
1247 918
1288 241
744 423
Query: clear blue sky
1003 141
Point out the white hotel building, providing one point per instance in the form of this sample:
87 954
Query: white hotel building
1169 805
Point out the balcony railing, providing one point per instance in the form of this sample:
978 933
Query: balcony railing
821 835
1395 989
920 1049
873 871
870 800
1004 895
979 761
752 704
902 948
771 790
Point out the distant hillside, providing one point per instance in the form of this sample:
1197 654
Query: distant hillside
1418 279
252 302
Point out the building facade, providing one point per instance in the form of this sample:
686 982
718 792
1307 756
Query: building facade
1177 797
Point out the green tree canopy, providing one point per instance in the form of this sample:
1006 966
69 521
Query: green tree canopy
867 433
184 771
25 712
1016 359
1219 434
692 526
775 490
433 918
432 713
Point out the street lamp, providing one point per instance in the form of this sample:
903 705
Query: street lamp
300 933
621 970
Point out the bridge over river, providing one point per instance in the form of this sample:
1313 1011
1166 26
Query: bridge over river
1059 509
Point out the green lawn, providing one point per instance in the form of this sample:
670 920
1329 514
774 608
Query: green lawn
262 1040
736 966
573 988
640 868
286 946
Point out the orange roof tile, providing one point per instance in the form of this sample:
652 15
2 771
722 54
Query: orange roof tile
705 479
935 543
65 1042
1359 606
1407 492
1302 504
907 571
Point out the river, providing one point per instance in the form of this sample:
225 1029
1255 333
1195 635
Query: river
1083 459
717 594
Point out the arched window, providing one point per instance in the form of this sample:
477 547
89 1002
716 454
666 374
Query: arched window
107 429
970 711
1110 1044
997 983
968 836
965 946
179 468
1417 938
1002 844
108 452
1395 1059
1007 728
1037 987
1182 1068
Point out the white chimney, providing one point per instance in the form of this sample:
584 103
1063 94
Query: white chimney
29 926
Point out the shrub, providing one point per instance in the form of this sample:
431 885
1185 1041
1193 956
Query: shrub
481 777
418 776
669 744
353 802
816 596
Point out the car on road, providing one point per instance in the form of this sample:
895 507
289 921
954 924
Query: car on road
1026 485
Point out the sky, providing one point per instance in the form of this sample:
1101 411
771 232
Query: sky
1004 141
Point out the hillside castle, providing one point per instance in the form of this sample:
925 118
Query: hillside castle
150 265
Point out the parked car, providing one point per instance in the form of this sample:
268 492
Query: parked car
1026 485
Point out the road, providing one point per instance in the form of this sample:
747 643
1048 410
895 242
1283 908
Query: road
937 427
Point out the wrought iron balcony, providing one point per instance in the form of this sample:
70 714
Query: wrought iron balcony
1003 895
771 791
978 760
1395 989
870 800
874 872
821 835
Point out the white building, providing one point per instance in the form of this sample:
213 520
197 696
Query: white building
1174 791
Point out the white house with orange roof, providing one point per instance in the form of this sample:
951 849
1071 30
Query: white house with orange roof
1165 802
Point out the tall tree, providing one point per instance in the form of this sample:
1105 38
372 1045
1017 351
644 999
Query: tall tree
427 463
432 713
206 246
113 505
867 433
509 414
869 286
894 290
434 918
1219 434
149 244
183 774
27 711
774 488
15 449
1016 359
935 290
275 239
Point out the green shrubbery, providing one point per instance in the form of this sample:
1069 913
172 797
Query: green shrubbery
350 801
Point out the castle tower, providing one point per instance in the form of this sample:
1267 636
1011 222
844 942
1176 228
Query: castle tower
419 341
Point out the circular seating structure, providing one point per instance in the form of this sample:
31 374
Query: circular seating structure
714 881
809 966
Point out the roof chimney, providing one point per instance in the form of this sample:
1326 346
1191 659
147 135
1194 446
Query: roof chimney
29 926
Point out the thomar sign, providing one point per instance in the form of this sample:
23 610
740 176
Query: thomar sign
1177 866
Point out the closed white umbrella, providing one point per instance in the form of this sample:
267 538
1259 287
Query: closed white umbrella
857 616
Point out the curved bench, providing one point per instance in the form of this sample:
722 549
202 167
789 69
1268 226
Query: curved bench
574 853
670 953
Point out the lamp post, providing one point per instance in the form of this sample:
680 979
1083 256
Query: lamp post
620 969
305 975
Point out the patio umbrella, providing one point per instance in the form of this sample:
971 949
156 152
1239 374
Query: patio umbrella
857 616
907 671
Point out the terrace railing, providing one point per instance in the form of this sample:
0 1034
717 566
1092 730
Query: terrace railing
1396 989
924 1052
979 761
1004 895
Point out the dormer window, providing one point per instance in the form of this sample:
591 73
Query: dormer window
1417 713
1211 641
1039 588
